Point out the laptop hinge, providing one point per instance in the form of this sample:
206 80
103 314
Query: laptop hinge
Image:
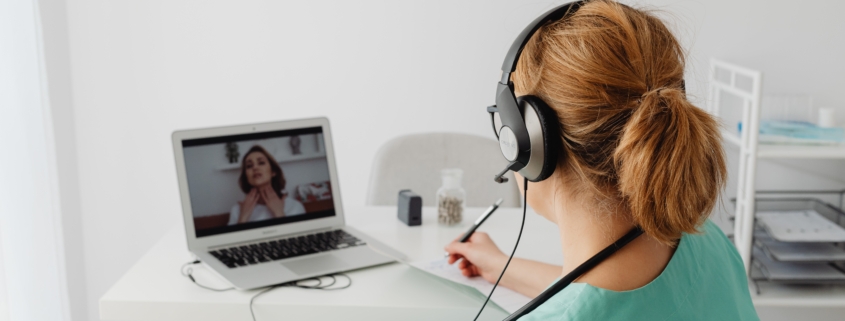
270 238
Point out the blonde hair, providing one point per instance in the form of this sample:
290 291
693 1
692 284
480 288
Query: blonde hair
614 76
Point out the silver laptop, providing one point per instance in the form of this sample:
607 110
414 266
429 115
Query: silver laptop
262 203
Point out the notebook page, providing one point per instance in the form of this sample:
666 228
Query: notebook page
505 298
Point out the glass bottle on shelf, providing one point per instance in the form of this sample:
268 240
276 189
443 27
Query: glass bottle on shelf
450 197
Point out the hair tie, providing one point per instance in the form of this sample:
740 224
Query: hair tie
650 92
653 91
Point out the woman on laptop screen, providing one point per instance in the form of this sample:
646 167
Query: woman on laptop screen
263 182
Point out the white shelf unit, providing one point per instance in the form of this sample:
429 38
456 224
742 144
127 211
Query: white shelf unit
745 86
724 78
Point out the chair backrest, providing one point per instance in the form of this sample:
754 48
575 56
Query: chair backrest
414 162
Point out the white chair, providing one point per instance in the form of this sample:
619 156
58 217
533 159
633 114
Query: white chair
414 162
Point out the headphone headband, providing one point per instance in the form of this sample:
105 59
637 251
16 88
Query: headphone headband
515 138
516 48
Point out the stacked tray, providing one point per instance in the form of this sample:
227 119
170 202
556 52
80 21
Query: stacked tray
787 264
800 226
798 244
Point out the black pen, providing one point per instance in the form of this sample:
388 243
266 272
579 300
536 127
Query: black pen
479 221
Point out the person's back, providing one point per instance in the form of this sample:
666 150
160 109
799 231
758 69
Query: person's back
704 280
606 83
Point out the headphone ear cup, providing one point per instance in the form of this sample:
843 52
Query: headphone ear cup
544 133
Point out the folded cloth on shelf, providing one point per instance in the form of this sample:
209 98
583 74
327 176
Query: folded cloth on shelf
797 133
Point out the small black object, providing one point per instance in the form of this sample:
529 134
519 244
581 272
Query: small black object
410 208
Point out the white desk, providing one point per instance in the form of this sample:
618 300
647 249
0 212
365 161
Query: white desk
154 289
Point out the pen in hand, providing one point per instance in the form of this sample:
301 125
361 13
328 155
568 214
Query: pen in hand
478 222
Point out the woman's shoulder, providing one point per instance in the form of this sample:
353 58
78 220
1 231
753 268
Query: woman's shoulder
293 206
710 228
293 201
704 269
564 305
710 243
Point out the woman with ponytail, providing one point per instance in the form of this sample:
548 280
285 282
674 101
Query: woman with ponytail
636 153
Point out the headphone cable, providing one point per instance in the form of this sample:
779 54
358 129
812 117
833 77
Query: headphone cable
521 226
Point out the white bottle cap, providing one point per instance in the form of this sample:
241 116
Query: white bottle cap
452 177
826 117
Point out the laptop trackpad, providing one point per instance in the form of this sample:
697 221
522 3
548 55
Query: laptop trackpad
316 265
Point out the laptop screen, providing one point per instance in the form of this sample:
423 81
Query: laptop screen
256 180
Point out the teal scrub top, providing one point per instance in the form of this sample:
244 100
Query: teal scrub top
704 280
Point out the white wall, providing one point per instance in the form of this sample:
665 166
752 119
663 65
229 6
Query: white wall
377 69
32 267
57 62
799 49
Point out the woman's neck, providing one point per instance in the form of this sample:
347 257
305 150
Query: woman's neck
585 230
261 199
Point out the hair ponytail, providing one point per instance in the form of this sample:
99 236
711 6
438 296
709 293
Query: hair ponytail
649 151
669 163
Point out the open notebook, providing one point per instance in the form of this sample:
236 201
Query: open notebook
505 298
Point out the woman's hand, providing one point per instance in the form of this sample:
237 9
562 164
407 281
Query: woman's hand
247 205
275 203
481 257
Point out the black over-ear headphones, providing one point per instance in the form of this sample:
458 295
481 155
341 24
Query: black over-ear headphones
527 128
529 137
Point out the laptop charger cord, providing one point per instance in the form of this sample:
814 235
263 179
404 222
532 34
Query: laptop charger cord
187 271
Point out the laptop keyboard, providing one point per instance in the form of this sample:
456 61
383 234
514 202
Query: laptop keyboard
266 251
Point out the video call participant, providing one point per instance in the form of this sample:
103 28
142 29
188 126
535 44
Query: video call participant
263 181
635 152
